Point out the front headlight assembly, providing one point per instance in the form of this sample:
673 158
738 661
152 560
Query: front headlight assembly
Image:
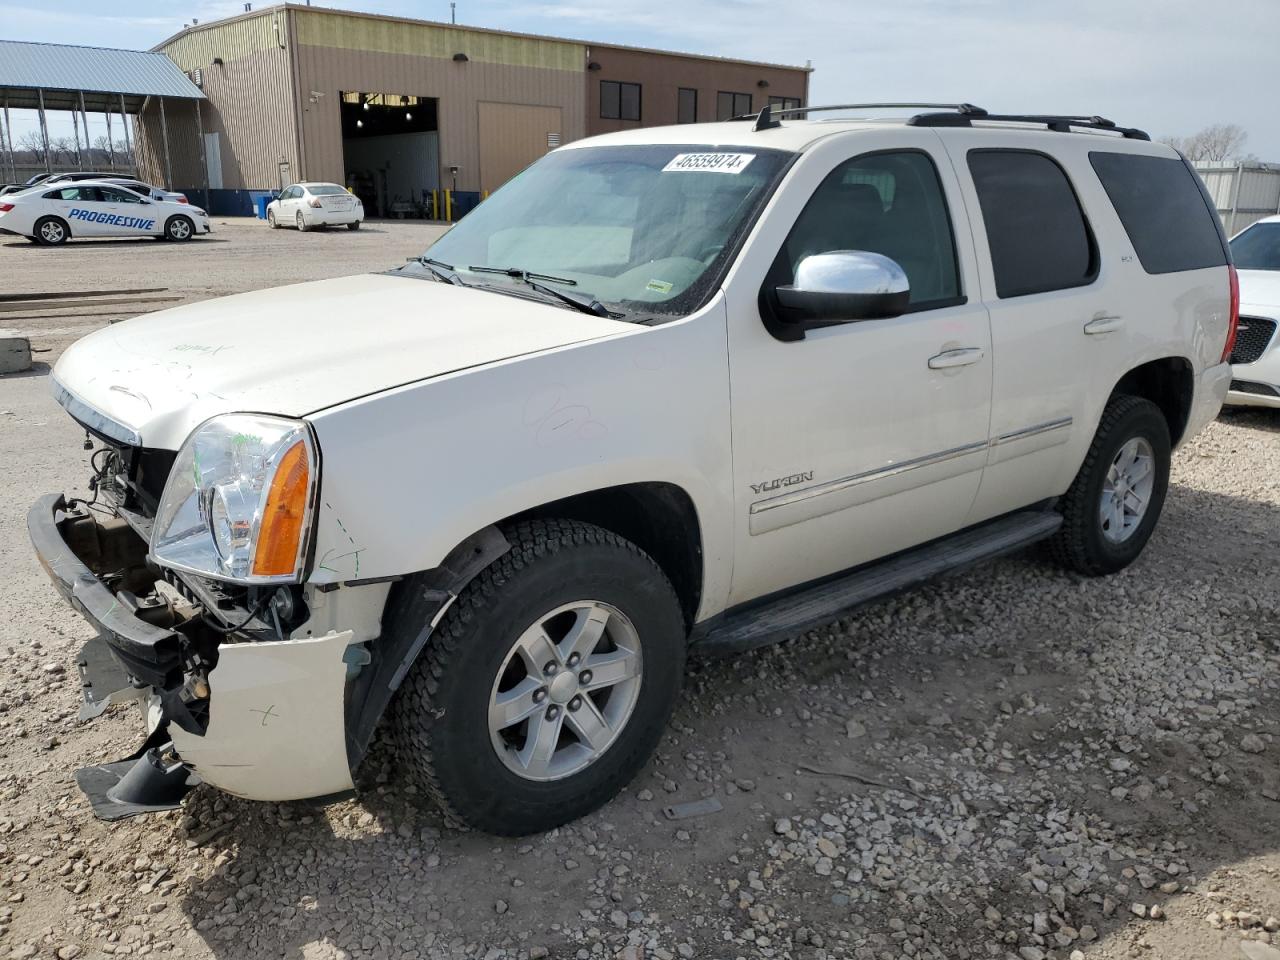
238 503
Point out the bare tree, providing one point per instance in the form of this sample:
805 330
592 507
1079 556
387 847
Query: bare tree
31 142
1219 143
63 149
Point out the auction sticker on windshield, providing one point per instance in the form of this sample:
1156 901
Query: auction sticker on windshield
709 162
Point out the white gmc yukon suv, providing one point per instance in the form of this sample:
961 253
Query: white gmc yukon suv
677 390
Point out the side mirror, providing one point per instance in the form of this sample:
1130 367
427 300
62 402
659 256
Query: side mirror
843 286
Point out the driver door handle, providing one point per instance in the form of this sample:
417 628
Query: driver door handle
960 357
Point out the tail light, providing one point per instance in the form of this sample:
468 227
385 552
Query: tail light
1233 320
315 202
5 207
181 199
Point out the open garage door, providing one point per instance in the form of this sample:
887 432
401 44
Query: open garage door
512 136
391 151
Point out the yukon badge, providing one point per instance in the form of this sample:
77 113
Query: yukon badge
777 484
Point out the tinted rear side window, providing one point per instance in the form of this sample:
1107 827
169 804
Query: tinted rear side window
1160 204
1036 231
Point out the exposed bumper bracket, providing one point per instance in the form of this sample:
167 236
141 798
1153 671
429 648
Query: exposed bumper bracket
131 787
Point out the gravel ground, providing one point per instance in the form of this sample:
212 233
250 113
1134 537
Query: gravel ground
1012 763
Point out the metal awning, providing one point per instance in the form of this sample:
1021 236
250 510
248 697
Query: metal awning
106 78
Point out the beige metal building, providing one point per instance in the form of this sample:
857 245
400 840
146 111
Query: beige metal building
395 108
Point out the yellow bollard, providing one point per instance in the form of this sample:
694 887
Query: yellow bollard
484 195
448 206
435 204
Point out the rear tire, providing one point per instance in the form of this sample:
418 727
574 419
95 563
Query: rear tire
179 229
1113 504
509 744
52 231
355 225
302 223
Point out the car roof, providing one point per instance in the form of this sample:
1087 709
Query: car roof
97 182
799 135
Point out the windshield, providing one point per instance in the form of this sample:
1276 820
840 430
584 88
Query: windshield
1258 248
645 229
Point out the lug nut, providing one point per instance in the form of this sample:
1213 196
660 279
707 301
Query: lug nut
550 669
584 677
552 712
575 703
540 694
573 660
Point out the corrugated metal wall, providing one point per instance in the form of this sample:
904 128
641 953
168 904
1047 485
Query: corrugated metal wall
250 105
1243 194
367 54
512 136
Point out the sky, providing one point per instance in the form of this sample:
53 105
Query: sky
1168 66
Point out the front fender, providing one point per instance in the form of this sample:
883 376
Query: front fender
410 473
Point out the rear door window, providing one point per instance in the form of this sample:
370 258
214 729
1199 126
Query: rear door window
1036 231
1163 210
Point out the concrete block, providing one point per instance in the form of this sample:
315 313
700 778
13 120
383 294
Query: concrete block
15 354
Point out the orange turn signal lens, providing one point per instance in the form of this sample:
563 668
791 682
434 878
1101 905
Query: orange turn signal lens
280 532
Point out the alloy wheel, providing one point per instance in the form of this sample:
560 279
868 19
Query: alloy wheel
1126 491
565 691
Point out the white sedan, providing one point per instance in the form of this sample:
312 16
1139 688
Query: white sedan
52 215
1255 360
307 205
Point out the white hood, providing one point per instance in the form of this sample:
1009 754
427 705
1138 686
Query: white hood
297 349
1259 288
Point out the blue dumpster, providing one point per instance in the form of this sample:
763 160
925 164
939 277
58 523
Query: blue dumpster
260 201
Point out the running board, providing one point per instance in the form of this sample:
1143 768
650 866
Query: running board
771 621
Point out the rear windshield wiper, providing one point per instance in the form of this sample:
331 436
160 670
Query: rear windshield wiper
583 302
442 271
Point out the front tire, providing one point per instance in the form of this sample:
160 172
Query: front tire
1113 504
179 229
548 683
271 220
52 231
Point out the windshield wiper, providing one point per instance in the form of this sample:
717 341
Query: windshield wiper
444 272
518 274
583 302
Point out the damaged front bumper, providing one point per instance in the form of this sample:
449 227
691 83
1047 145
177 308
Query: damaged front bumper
268 723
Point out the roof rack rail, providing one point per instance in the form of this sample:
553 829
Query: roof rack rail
766 119
957 115
1059 123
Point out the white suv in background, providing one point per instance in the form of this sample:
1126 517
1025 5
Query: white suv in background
694 388
309 205
1255 361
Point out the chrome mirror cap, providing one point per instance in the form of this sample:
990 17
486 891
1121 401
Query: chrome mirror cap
851 271
842 286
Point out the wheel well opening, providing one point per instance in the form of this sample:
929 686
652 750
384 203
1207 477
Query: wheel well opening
659 518
1169 383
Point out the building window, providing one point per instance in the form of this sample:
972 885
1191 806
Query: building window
730 105
619 101
686 105
785 103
